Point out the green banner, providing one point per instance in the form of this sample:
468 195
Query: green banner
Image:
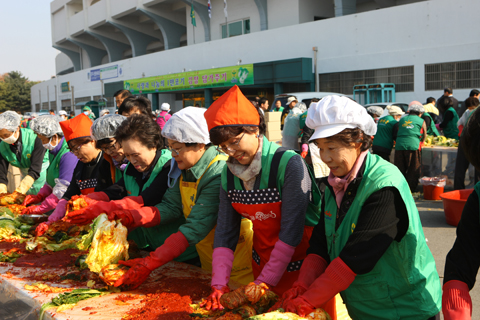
65 86
210 78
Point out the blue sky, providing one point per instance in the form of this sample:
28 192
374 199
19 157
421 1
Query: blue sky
26 40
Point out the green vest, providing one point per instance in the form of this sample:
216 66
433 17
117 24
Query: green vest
408 136
431 130
278 110
28 144
384 136
466 123
451 130
53 171
404 284
154 237
268 151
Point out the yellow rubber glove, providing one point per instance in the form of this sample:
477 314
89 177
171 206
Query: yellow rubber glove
25 185
3 188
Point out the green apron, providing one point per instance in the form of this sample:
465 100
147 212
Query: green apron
409 133
431 130
384 136
53 171
404 284
154 237
451 130
28 144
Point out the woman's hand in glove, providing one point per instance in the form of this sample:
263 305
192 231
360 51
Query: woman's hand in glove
212 302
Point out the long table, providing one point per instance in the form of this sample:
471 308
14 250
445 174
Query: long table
20 304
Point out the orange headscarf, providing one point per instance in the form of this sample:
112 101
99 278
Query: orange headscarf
78 127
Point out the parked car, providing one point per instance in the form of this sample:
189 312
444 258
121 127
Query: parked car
383 105
305 97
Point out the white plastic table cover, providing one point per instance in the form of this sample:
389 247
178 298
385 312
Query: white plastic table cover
17 303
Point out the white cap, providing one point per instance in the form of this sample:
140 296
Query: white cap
394 110
376 110
187 126
290 100
333 114
104 112
62 113
165 106
10 120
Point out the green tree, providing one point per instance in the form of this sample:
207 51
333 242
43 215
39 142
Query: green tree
15 92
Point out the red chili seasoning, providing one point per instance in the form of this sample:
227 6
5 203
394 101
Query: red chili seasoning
162 306
59 259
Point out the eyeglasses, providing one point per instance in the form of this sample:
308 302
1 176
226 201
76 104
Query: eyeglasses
177 151
76 148
232 147
110 148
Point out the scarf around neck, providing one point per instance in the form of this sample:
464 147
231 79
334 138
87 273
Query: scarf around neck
247 173
340 185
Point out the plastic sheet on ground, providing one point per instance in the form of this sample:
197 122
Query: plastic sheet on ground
433 181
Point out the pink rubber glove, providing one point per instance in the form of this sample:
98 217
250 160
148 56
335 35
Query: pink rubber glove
336 278
274 269
59 212
438 126
456 301
222 262
50 203
304 147
44 192
141 268
312 267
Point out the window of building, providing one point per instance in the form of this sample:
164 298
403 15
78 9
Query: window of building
82 99
53 105
236 28
67 105
343 82
37 107
456 75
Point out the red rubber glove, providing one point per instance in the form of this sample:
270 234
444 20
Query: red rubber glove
99 196
313 266
142 217
304 154
86 215
41 229
32 210
141 268
456 301
212 302
44 192
336 278
300 306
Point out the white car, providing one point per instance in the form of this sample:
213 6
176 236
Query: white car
305 97
383 105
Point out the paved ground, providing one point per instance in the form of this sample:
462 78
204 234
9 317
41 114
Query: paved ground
440 237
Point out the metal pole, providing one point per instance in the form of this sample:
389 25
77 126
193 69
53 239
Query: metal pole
73 101
101 82
48 98
315 50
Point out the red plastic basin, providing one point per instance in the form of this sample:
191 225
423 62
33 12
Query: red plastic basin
453 203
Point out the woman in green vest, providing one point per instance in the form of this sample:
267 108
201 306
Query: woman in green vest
266 184
369 245
408 147
181 224
387 128
431 128
450 119
21 148
462 262
60 170
144 181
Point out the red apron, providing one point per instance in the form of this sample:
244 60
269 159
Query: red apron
87 186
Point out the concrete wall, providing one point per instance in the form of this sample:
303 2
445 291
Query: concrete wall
59 25
278 17
62 62
308 9
370 40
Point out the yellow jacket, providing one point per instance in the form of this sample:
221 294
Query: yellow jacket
430 108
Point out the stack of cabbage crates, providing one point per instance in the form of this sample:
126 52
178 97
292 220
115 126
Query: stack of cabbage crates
272 120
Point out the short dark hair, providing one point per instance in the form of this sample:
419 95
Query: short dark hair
470 139
471 102
474 92
449 90
141 128
100 143
141 103
355 135
51 110
262 101
123 93
219 135
431 99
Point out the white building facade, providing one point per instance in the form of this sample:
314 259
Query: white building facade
420 46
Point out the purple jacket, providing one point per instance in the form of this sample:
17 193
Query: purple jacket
163 118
